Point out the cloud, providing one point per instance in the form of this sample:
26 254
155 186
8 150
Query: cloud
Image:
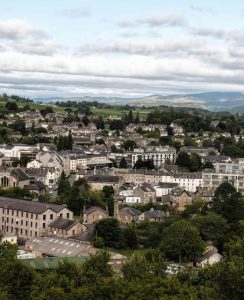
165 20
232 35
18 29
202 10
77 12
150 47
132 66
179 67
156 20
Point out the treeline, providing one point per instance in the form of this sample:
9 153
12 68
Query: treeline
193 122
79 196
4 97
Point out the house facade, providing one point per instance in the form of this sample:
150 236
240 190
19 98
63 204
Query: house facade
27 219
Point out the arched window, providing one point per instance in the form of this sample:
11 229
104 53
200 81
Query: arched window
4 181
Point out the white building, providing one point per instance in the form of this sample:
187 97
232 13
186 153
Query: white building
159 155
133 200
17 150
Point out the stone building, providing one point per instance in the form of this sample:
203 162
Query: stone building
27 219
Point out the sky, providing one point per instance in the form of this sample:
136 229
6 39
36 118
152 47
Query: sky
129 48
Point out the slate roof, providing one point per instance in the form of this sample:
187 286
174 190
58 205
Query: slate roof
154 214
104 178
35 186
61 223
58 247
167 185
147 187
28 206
132 211
93 209
20 174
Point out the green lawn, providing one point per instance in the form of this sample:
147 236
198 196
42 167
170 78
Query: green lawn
130 253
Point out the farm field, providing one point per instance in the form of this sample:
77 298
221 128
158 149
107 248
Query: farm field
106 112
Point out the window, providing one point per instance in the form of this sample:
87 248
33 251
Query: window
51 216
4 181
44 225
44 217
67 215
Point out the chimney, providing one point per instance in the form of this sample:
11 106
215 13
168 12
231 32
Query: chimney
83 214
116 208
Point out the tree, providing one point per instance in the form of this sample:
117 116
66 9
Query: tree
144 164
207 165
228 203
97 268
12 106
117 125
100 141
212 227
182 240
19 125
170 130
63 185
100 124
183 160
109 198
123 163
46 110
130 238
109 229
130 116
85 120
195 208
189 142
137 118
70 141
129 145
196 162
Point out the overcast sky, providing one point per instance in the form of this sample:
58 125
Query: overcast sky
120 48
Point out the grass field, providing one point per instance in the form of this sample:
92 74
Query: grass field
130 253
106 112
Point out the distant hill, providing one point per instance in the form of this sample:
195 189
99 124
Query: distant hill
216 101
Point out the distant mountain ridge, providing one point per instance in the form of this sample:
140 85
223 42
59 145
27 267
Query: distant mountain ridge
216 101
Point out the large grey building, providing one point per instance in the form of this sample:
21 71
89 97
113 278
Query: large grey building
230 172
27 219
